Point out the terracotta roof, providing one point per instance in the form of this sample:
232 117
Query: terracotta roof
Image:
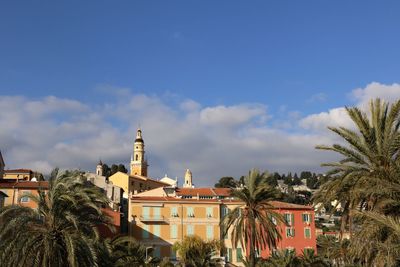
208 191
284 205
25 184
276 204
18 170
176 199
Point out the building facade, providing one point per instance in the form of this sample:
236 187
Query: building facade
162 216
18 174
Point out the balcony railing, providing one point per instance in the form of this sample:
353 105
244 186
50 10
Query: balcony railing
157 218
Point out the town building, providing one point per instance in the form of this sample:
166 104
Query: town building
14 192
18 174
137 180
162 216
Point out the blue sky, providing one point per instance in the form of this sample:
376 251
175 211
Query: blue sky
217 52
294 58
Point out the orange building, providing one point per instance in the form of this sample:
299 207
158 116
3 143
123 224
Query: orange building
11 193
162 216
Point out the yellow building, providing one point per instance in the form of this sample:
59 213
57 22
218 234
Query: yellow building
134 184
18 174
162 216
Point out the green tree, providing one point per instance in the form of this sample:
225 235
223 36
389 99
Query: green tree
305 175
121 168
310 259
61 231
114 169
195 252
122 251
227 182
367 174
282 258
252 223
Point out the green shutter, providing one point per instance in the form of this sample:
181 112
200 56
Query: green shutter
307 232
174 231
146 212
210 232
239 254
156 231
157 212
292 222
189 229
209 212
293 231
174 211
189 212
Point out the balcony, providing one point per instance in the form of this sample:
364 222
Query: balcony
156 219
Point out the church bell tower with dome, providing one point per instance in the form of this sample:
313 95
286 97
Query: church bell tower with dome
138 162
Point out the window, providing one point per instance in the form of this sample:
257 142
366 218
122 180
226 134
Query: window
174 231
224 211
174 212
137 156
307 232
209 212
156 231
239 255
289 218
289 231
229 256
190 229
210 231
146 213
24 199
157 212
145 232
189 212
306 217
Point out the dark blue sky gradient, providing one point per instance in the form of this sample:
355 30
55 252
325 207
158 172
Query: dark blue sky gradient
215 52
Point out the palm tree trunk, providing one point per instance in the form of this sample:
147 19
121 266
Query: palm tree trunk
252 243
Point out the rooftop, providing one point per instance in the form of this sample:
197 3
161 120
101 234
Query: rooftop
24 184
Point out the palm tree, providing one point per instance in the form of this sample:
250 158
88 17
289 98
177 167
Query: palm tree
367 178
282 258
370 160
122 251
194 252
253 222
61 231
310 259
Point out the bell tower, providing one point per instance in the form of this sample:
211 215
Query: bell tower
99 168
188 179
138 161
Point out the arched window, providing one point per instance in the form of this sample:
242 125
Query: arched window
137 157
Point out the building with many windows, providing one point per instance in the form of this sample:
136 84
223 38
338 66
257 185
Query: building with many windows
162 216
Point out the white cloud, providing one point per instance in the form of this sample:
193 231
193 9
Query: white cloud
361 96
213 141
373 90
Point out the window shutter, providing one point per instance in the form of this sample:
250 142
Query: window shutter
292 221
